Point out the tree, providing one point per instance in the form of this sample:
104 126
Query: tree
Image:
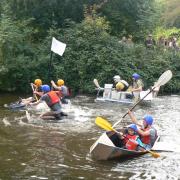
171 15
135 17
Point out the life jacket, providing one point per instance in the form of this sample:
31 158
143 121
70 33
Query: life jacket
149 139
126 85
54 97
137 83
130 142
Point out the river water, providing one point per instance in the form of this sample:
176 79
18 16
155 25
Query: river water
47 150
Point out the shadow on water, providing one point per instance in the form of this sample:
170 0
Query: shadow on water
48 150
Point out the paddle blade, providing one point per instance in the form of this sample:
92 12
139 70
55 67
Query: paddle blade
104 124
154 154
164 78
96 83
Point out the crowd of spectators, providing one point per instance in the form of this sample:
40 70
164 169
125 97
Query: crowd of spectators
170 43
166 43
127 41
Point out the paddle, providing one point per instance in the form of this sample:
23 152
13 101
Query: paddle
163 79
97 84
33 92
107 126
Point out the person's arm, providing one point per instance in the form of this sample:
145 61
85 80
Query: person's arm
137 89
38 93
35 103
143 133
140 143
55 86
121 135
140 86
133 118
32 84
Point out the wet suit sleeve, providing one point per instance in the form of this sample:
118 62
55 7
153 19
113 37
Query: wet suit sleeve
140 142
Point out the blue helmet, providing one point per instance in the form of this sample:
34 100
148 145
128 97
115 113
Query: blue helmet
45 88
148 119
136 76
133 126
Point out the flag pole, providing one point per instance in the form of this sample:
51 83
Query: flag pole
50 67
58 48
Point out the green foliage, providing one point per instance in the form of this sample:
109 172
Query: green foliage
135 17
27 28
167 33
17 49
93 53
171 13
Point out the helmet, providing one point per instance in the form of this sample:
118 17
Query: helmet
38 82
133 126
45 88
148 119
60 82
117 78
119 86
136 76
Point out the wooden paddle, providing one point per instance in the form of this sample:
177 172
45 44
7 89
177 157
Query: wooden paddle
107 126
98 86
96 83
163 79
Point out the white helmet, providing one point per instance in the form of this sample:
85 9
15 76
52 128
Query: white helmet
117 78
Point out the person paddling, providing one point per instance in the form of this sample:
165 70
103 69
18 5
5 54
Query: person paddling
137 86
63 90
120 85
137 83
37 87
131 139
147 132
52 100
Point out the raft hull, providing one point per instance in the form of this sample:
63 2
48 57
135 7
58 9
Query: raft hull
105 152
105 149
121 97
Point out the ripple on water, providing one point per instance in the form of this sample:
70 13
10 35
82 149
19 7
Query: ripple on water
52 150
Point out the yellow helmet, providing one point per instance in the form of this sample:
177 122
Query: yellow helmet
38 82
119 86
60 82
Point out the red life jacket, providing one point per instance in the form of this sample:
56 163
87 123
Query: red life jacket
146 139
54 97
130 141
59 93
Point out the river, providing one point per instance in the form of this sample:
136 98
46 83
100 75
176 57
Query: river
49 150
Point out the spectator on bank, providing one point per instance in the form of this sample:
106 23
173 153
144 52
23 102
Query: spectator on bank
170 43
129 40
123 40
161 41
166 42
175 44
150 42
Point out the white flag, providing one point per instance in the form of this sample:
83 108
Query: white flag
58 47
